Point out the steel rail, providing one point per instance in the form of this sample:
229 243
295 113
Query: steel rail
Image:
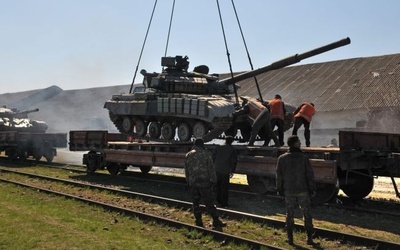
321 232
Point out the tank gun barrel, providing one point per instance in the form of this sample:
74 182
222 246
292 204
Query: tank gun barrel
286 61
19 114
27 111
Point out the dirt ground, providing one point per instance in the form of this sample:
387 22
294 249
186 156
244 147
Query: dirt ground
383 188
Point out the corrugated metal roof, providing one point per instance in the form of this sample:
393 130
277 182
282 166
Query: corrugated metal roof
368 82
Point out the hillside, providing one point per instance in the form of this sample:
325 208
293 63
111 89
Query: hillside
65 110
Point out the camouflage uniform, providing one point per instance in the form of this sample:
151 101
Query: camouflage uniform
225 159
295 181
200 176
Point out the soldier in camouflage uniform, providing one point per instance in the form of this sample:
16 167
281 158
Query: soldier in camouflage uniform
200 176
295 181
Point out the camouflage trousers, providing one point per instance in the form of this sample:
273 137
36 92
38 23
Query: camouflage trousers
207 196
301 200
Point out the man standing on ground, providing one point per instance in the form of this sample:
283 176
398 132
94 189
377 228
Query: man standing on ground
295 181
303 115
200 176
277 110
225 159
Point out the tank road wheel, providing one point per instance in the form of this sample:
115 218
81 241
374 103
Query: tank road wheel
127 125
168 131
145 169
358 185
184 132
325 193
199 129
113 168
261 184
141 128
154 130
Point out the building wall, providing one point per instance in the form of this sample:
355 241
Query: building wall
326 125
339 119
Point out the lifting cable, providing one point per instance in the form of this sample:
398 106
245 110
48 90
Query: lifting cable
144 42
169 28
227 51
247 51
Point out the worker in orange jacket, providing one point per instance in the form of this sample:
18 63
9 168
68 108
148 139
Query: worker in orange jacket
302 116
260 117
277 112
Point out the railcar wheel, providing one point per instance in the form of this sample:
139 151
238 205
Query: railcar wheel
358 185
92 162
49 156
154 130
127 125
184 132
37 157
145 169
325 193
168 131
113 168
22 156
12 154
141 128
261 184
199 129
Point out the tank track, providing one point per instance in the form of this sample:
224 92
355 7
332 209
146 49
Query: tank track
220 125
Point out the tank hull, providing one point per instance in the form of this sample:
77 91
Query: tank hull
191 115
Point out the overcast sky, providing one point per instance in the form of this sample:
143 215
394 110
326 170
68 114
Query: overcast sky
77 44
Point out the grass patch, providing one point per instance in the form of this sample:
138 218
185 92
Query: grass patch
33 220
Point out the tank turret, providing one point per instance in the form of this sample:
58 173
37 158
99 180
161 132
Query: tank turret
191 104
176 79
15 120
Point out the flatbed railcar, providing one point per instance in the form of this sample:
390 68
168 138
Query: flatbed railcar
20 145
351 167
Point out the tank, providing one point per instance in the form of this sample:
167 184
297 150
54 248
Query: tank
178 105
15 120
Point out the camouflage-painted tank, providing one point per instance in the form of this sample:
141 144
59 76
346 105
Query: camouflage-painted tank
15 120
186 104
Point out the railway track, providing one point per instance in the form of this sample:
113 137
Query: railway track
232 216
366 206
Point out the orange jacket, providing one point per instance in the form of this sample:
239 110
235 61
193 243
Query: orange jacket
277 109
306 111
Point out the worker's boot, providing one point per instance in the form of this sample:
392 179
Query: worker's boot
199 221
217 223
290 237
310 235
